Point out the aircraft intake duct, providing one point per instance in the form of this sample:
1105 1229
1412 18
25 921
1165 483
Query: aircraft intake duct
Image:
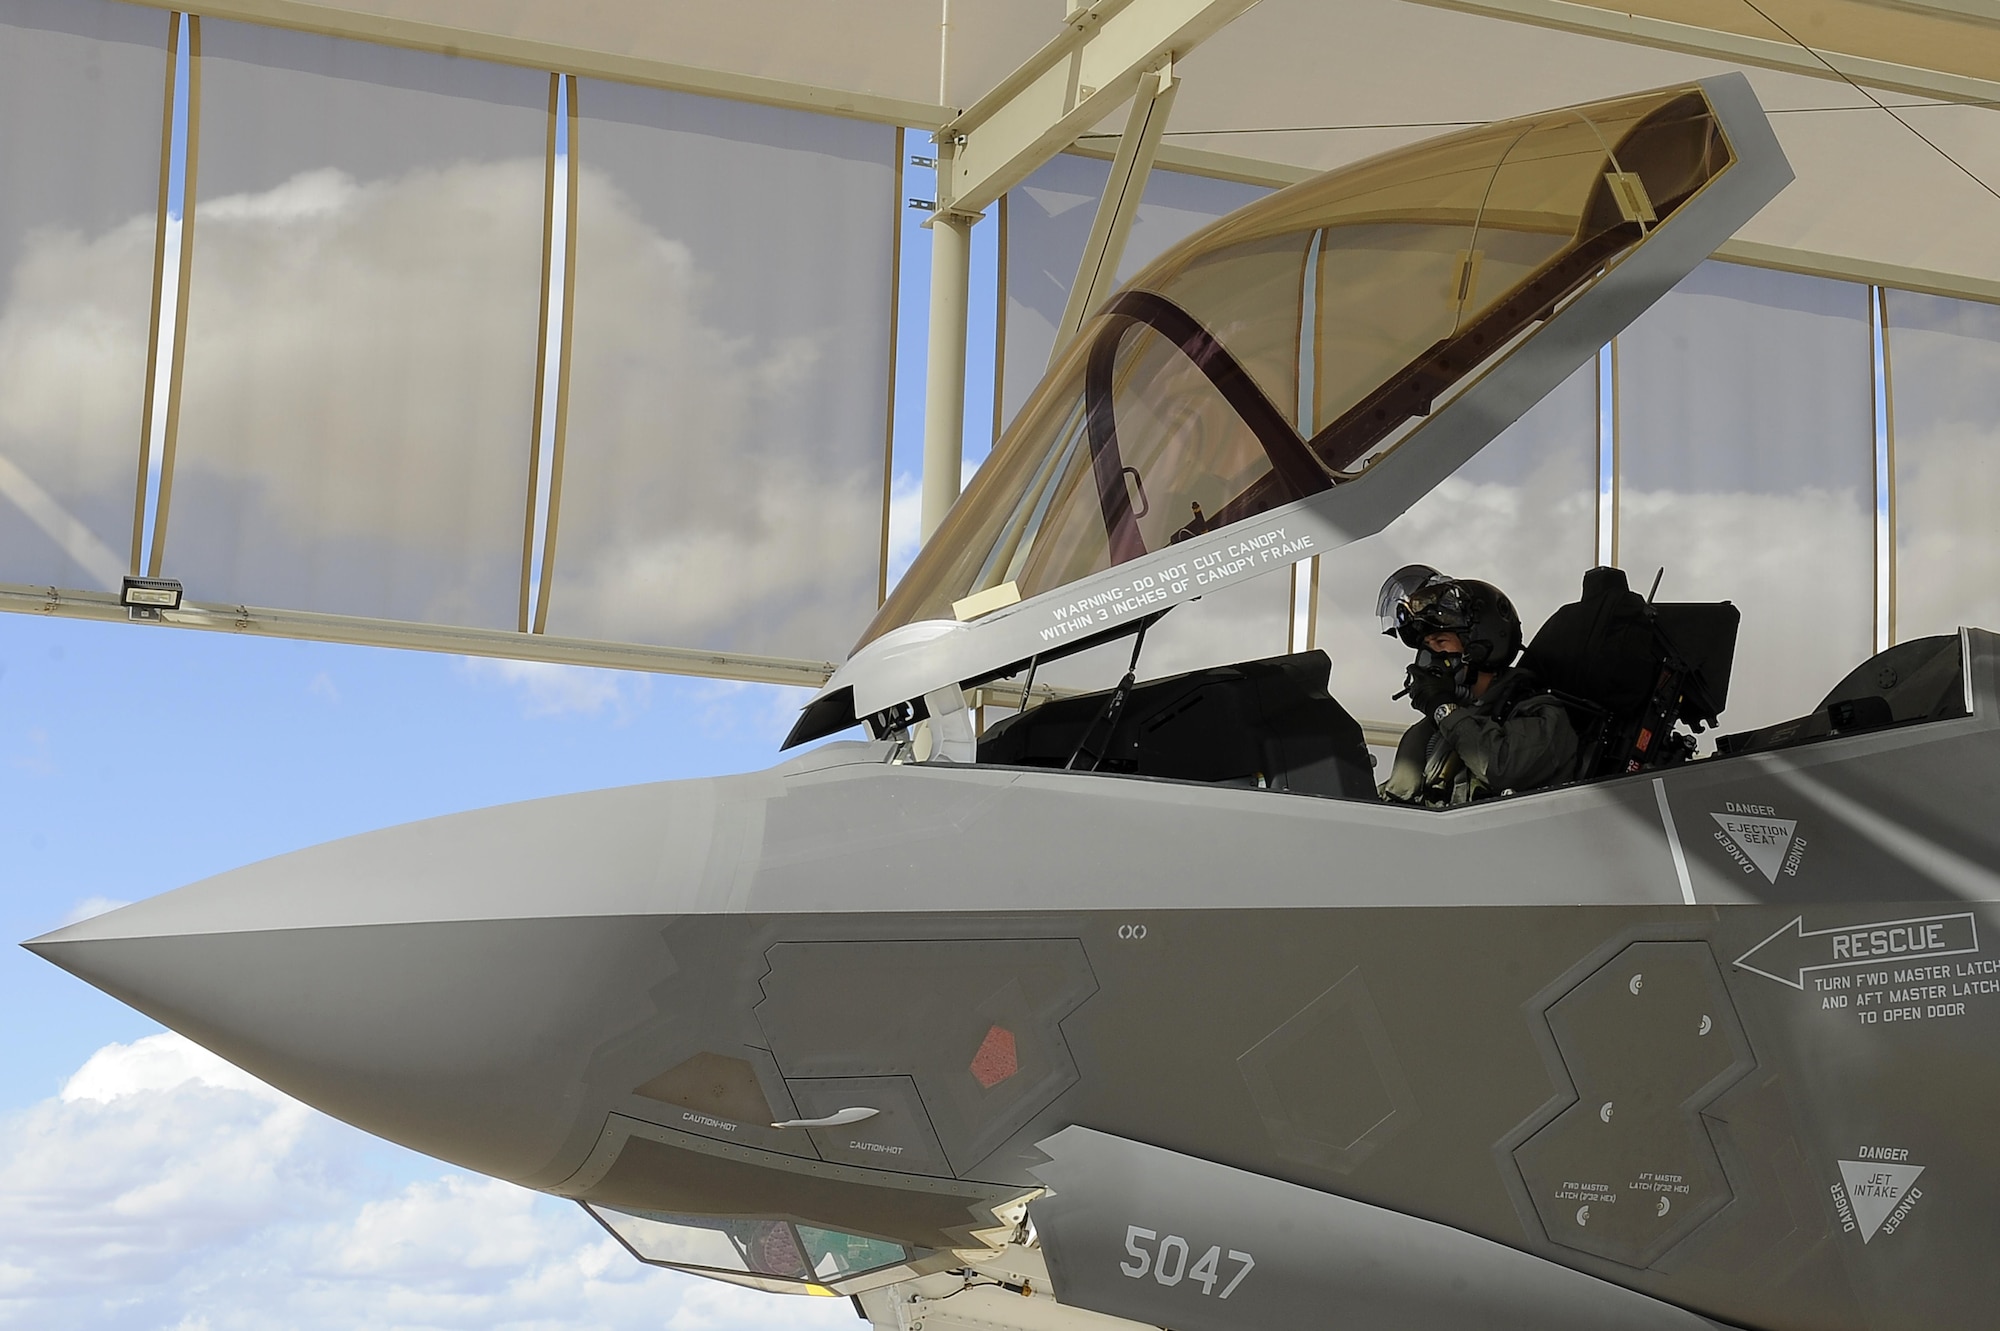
1165 1239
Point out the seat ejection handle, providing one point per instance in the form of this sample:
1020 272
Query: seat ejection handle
840 1118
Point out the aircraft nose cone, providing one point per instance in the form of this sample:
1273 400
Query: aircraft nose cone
443 984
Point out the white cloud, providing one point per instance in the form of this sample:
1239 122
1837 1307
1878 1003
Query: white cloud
358 388
307 197
1800 566
357 393
155 1065
89 909
761 713
724 483
164 1188
1949 572
548 689
73 358
774 569
906 501
414 1230
152 1150
355 352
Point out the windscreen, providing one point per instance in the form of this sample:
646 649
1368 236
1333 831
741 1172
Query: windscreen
1280 351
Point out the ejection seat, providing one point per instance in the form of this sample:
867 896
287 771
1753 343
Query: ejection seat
1629 670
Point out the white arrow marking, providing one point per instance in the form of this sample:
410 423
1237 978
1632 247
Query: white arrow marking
1868 944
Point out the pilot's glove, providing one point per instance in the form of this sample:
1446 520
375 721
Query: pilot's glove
1430 689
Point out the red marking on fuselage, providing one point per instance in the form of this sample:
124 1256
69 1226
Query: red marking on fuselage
996 1060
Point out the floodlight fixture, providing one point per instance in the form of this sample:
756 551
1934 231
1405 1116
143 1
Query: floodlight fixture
148 598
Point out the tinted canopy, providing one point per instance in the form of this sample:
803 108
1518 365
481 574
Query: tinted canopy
1283 350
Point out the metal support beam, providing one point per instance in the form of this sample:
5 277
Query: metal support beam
1603 18
1095 64
1068 86
314 627
486 34
944 372
1758 254
1097 272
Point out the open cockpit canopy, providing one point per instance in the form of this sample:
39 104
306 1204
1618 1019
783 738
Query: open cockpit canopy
1295 376
1281 351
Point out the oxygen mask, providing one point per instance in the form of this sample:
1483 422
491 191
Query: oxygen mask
1445 664
1434 678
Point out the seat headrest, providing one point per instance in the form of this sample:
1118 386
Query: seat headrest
1604 581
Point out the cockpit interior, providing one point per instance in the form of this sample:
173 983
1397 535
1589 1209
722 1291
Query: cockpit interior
1640 680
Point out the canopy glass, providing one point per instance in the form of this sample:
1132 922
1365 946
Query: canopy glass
1280 351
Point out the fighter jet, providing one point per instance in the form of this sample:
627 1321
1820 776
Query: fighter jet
1141 1004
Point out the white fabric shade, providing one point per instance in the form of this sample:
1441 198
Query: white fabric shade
81 84
359 382
1944 369
723 480
1383 72
1747 452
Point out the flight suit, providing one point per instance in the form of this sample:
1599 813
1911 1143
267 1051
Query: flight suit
1515 737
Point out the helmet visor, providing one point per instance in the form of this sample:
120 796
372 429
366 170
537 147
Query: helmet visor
1416 601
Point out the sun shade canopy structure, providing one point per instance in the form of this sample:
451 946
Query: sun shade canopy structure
1286 88
683 456
1295 376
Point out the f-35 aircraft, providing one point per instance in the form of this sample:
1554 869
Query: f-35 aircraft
1141 1004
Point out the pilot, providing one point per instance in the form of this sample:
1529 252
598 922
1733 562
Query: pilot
1488 727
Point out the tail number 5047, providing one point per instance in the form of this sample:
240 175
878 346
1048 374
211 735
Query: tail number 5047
1169 1264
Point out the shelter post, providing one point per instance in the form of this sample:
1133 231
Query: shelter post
944 376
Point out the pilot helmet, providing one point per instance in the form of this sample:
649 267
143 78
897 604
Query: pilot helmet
1417 600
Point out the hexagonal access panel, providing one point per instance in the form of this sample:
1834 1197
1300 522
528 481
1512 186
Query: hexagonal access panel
1629 1170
